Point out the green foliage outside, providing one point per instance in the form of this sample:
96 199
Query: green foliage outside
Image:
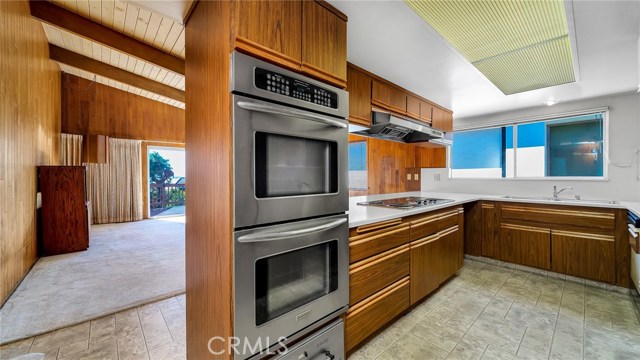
160 171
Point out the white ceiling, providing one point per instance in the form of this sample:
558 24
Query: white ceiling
390 40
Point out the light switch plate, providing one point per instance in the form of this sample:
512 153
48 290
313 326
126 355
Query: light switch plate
38 200
436 177
416 177
409 177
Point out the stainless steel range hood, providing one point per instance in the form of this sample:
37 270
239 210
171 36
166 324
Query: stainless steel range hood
387 126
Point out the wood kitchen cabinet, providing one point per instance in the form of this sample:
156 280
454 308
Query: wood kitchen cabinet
587 255
371 275
431 157
271 30
426 111
525 245
359 88
490 231
442 119
324 42
388 97
304 36
413 107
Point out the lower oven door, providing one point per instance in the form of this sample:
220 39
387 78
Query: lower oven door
288 277
288 163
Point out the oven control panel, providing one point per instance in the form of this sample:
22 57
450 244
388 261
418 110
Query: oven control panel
287 86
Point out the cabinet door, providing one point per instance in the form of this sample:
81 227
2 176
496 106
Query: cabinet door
590 256
271 30
473 228
413 107
447 125
359 88
431 157
324 42
427 265
525 245
451 248
388 97
426 110
490 231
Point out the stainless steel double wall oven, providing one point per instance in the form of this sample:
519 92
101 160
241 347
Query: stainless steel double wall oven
291 251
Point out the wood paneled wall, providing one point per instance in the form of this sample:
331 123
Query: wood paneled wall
389 162
209 229
29 135
92 108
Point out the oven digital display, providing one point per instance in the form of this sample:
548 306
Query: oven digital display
288 86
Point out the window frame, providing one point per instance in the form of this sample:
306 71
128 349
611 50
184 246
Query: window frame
605 148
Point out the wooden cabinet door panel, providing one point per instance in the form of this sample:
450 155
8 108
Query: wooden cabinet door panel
473 228
373 274
447 125
424 226
324 43
525 245
438 118
490 231
451 248
413 107
359 88
371 242
374 312
271 30
426 266
426 111
582 217
388 97
448 219
590 256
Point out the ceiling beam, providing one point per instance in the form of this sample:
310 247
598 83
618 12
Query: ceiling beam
99 68
67 20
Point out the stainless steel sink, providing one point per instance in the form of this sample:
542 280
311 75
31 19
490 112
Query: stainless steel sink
549 198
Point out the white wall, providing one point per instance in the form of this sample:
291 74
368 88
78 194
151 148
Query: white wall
624 140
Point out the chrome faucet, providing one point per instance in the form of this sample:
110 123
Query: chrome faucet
556 192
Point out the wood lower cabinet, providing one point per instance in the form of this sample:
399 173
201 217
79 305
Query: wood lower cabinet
373 274
490 231
586 255
369 240
271 30
374 312
359 88
434 259
525 245
324 42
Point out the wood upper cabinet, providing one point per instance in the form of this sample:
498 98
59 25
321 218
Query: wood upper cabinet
359 88
442 119
324 42
271 30
426 111
431 157
413 107
587 255
525 245
388 97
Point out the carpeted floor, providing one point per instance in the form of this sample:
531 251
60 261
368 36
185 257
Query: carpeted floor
126 265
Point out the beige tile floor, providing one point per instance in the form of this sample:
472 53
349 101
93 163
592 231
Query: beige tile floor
485 312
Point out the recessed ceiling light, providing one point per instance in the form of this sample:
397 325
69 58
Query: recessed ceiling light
551 102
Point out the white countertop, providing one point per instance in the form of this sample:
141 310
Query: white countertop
362 215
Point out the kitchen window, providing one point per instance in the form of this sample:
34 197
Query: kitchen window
570 147
358 166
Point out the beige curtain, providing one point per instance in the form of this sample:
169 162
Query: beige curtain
71 149
115 189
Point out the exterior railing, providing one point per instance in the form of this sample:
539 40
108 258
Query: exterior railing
164 196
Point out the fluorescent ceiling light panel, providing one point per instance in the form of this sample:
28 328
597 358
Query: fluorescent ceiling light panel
518 45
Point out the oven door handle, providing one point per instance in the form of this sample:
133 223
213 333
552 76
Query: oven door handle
280 110
286 234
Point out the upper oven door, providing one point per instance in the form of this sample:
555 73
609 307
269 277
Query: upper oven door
288 163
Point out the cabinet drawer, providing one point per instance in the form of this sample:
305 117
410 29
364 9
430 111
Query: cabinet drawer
432 223
369 240
590 256
368 276
525 245
374 312
547 215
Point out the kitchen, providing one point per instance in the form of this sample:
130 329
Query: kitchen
367 183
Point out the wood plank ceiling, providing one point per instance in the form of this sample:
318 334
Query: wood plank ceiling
151 28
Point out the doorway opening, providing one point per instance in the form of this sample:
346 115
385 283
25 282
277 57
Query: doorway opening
167 181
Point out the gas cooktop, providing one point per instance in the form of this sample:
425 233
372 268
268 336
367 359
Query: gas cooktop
409 202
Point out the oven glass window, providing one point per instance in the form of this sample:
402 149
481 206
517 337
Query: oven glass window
287 281
294 166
